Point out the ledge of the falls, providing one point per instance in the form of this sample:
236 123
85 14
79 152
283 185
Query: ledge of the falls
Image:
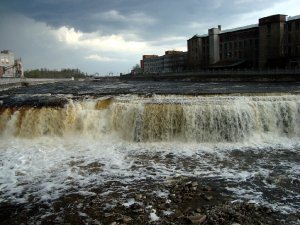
36 101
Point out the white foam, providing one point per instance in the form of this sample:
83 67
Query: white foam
129 202
153 217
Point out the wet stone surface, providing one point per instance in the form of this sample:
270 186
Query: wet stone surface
53 94
176 201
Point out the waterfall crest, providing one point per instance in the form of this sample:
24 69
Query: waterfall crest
160 118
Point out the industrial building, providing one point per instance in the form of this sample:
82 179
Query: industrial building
272 43
171 61
9 66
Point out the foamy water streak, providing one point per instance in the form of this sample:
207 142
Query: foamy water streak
159 118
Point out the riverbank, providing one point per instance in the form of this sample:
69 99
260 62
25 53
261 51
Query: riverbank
221 76
8 83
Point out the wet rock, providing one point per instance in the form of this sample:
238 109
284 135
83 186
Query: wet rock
194 188
198 210
127 219
178 214
208 197
106 215
194 184
138 196
188 183
138 211
197 219
207 188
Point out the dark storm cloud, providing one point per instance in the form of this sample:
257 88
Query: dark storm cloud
143 17
111 35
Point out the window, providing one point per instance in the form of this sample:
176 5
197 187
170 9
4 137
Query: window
289 27
240 44
297 26
269 27
289 51
225 46
289 38
256 43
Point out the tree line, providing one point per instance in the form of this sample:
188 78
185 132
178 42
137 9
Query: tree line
46 73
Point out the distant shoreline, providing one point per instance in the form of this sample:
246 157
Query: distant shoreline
221 76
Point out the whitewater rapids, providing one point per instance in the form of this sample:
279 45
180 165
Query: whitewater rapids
251 143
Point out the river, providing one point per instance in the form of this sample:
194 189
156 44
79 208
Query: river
107 140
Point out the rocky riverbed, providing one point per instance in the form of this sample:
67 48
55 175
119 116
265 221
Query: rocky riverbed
179 200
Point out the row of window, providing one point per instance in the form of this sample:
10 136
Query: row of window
239 35
4 60
241 44
290 25
238 55
289 51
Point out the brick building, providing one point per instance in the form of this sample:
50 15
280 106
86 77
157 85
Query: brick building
292 41
273 42
171 61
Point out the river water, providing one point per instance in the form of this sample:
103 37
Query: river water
248 142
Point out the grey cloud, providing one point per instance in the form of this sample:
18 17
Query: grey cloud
159 23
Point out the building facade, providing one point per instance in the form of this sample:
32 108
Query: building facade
7 61
292 41
9 67
171 61
272 43
152 64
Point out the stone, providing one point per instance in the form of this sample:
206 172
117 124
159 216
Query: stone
178 214
137 211
127 219
208 198
108 215
138 196
194 184
188 183
198 210
197 219
194 188
207 188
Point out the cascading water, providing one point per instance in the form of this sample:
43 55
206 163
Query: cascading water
248 144
186 119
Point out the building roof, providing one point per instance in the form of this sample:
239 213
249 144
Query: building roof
239 28
228 30
293 18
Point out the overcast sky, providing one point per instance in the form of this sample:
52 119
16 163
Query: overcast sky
112 35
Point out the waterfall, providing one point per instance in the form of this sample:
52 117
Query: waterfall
160 118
